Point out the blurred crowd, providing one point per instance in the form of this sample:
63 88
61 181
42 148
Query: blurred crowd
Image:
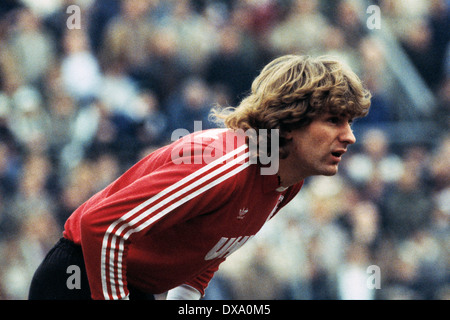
80 105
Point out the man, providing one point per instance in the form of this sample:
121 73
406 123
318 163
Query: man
168 222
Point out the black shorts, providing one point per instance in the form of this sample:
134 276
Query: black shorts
62 276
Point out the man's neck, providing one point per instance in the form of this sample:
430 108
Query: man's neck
286 176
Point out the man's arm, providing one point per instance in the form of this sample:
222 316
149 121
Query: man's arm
184 292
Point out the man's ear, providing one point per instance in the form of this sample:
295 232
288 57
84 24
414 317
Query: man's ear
286 134
285 141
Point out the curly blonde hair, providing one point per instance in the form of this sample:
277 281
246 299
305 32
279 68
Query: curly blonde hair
292 90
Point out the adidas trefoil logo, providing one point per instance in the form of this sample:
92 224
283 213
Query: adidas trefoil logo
242 213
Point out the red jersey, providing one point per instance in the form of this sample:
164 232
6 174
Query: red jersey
173 217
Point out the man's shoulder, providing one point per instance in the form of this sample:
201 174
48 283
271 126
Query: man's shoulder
208 145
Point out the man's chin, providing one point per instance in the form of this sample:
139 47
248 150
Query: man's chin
331 171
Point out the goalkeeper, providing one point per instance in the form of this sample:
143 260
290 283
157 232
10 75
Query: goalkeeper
167 223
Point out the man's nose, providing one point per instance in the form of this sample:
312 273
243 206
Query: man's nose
347 135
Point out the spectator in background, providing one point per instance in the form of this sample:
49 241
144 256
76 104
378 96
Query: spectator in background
100 14
364 221
375 166
352 275
420 27
442 112
29 120
406 208
113 132
128 36
347 18
255 21
118 90
152 125
80 70
166 70
303 30
34 184
229 67
32 47
335 44
191 104
426 257
196 37
62 114
400 14
372 67
438 167
25 249
9 169
9 153
418 44
439 22
62 109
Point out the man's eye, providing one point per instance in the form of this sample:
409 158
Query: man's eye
333 120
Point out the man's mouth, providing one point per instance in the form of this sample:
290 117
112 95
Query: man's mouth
338 153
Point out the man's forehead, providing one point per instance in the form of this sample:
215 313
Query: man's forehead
343 115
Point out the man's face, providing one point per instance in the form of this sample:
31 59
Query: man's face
317 148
